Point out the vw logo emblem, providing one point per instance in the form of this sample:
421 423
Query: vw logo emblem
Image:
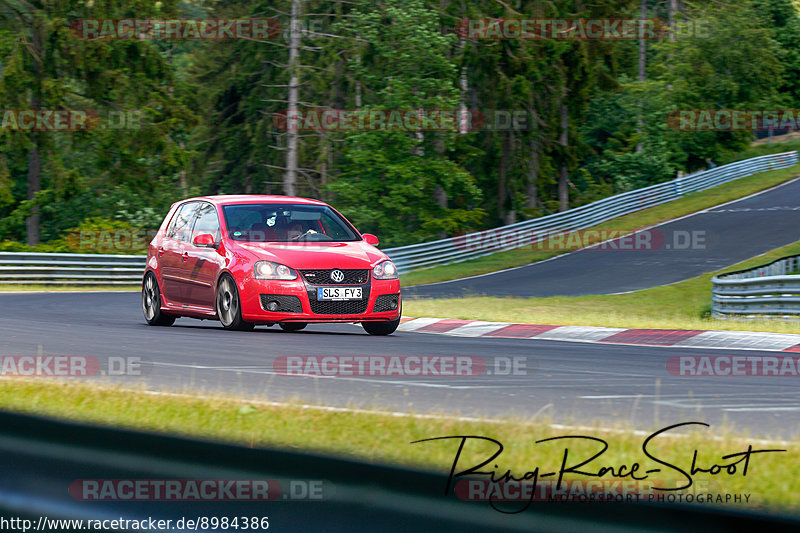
337 275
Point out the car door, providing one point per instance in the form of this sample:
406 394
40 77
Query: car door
171 253
203 263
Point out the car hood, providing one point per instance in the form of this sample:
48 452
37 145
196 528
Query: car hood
316 255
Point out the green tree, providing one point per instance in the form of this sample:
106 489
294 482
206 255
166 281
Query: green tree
390 180
47 66
733 64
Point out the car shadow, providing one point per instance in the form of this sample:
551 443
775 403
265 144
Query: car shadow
265 330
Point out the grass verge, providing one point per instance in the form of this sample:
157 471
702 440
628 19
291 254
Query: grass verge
684 305
766 146
772 480
690 203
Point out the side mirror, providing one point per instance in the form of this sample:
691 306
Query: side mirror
369 238
204 240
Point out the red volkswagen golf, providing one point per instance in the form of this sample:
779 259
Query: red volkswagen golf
248 260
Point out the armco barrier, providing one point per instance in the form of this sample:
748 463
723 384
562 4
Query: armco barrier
771 290
18 268
91 269
473 245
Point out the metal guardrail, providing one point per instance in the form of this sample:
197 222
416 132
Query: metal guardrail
771 290
92 269
520 234
18 268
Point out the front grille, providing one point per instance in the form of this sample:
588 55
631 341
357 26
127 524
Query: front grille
286 303
352 307
347 307
386 302
323 277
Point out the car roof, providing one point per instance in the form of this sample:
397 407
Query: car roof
231 199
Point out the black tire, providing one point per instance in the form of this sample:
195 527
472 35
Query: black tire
292 326
382 328
229 307
151 303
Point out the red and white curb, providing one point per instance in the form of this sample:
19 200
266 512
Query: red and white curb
736 340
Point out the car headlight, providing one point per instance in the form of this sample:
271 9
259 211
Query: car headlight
385 270
270 270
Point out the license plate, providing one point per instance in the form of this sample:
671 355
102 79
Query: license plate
338 293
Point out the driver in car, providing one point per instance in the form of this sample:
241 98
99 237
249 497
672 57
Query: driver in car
296 230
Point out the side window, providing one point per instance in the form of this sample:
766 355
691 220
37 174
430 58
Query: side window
181 223
207 221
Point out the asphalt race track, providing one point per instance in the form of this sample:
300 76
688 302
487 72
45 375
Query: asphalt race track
573 382
725 235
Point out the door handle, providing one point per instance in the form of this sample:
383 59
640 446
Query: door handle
185 256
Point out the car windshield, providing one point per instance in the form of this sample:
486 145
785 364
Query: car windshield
286 223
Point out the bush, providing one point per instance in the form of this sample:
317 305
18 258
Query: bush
95 235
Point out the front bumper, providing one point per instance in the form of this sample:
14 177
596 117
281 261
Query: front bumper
297 302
